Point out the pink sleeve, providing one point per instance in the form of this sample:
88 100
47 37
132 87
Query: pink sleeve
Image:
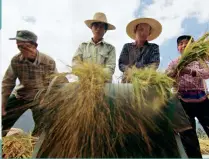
171 65
202 71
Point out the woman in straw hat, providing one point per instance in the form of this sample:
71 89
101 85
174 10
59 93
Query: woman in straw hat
141 53
97 50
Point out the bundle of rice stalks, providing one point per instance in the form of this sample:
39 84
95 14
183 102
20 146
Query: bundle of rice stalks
204 146
83 125
152 91
85 121
149 80
18 146
195 51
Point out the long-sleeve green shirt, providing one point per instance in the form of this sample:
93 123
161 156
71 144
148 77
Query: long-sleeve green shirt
101 53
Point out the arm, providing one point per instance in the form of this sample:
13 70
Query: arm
200 71
197 70
8 83
53 68
123 59
78 56
60 79
171 70
50 71
111 62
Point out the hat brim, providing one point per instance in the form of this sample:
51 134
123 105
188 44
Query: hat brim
20 39
155 25
89 23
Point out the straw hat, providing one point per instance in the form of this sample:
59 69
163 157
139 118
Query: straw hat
155 32
99 17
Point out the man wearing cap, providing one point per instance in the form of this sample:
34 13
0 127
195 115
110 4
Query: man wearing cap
141 53
97 50
32 68
191 92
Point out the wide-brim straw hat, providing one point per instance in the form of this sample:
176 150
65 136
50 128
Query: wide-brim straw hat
99 17
155 25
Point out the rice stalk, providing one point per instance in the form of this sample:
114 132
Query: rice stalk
83 115
149 80
18 146
195 51
85 121
204 146
157 86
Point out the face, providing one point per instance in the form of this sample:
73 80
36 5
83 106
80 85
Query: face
142 31
182 45
98 30
26 48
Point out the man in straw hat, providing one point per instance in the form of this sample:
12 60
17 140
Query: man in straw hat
193 97
97 50
32 68
141 53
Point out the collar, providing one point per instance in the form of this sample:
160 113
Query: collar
145 44
100 42
37 60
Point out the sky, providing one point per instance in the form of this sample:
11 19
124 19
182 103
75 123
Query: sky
60 25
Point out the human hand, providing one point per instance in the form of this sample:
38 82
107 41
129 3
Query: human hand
188 71
28 50
139 65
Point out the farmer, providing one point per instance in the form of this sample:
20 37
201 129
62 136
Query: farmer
192 94
97 50
32 68
141 53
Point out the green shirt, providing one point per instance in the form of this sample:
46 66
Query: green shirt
101 53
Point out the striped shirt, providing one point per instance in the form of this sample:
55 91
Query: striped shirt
140 57
31 75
